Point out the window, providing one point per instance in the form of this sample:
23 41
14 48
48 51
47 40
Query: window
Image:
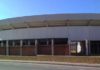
44 42
0 43
60 41
25 42
10 42
4 43
32 42
17 42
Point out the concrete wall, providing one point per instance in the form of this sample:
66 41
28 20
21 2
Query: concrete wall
70 32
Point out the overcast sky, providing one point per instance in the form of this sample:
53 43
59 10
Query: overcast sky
17 8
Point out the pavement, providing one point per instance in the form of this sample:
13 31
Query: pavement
53 63
33 66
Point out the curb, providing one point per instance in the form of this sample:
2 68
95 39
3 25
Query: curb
54 63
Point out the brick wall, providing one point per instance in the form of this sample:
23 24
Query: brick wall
44 49
2 50
28 50
14 50
61 49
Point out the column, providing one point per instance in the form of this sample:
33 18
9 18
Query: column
52 47
36 43
7 48
86 44
21 46
69 47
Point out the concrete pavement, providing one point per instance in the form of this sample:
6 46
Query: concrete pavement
34 66
53 63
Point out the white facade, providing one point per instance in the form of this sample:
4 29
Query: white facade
70 32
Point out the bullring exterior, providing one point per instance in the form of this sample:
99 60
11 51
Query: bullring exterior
55 34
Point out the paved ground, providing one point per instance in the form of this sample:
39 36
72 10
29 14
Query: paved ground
34 66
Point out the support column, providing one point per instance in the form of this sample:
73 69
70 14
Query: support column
69 47
52 47
87 47
21 46
7 48
36 43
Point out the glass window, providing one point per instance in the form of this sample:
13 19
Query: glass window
60 41
17 42
32 42
4 43
25 42
0 44
10 42
44 42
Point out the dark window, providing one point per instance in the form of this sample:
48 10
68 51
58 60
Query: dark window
0 44
25 42
4 43
17 42
44 42
32 42
10 43
60 41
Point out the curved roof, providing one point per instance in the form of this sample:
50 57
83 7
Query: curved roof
51 20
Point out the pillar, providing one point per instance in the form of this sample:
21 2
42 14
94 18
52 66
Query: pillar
69 47
21 46
7 48
87 47
36 43
52 47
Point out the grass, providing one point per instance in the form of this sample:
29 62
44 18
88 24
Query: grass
72 59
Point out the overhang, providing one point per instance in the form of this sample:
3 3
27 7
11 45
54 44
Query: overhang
50 21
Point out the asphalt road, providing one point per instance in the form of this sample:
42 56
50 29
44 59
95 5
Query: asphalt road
33 66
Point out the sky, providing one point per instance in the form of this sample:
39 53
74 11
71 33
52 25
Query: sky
18 8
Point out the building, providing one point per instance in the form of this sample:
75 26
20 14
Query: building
56 34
